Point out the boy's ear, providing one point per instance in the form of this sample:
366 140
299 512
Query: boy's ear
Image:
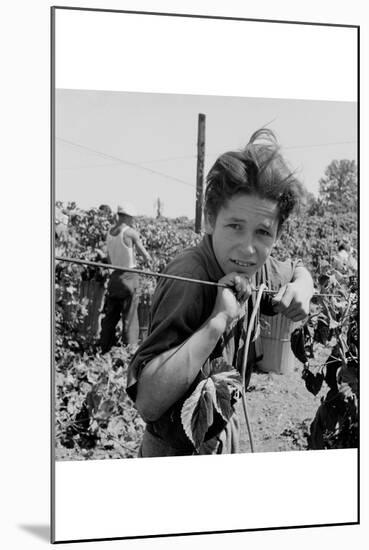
208 224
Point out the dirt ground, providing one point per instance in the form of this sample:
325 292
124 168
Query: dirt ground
280 410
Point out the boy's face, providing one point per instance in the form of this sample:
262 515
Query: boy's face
244 233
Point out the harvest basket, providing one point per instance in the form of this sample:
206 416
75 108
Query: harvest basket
275 335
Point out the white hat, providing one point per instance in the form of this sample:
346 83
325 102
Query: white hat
126 208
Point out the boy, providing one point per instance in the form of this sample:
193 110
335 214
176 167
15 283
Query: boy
248 197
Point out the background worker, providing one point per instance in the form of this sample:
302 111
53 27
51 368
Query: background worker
121 299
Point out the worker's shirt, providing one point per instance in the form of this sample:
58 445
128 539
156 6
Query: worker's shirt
119 253
121 284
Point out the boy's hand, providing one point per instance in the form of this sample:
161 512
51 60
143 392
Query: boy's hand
229 301
292 300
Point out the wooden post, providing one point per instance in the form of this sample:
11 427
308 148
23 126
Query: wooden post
200 171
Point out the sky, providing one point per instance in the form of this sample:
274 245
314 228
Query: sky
113 147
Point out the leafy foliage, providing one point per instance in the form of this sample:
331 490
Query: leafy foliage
315 238
215 394
334 323
338 187
94 418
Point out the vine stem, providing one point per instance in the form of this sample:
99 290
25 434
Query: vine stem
244 361
347 311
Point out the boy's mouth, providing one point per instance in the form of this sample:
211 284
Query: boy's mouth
243 264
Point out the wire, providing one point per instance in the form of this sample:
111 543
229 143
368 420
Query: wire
138 271
122 161
167 159
194 155
170 159
87 166
164 275
318 145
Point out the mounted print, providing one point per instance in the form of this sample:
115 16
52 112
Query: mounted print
205 305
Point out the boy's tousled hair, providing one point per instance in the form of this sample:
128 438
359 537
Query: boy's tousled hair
258 169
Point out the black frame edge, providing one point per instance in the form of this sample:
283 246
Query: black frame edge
52 271
202 16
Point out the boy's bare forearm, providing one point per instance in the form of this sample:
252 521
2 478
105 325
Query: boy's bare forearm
167 377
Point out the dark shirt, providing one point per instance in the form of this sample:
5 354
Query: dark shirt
178 310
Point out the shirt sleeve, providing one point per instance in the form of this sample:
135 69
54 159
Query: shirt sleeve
178 310
280 273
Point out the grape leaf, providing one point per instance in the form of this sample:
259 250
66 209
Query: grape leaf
105 410
216 392
197 413
223 399
219 365
117 426
232 378
313 382
221 370
93 401
298 345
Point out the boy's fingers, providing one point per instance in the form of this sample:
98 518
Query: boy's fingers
285 302
244 290
277 297
294 314
240 286
237 282
282 299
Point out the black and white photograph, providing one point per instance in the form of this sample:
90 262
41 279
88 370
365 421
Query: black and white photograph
165 366
205 272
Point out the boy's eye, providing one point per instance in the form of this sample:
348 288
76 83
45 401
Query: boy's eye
265 232
234 226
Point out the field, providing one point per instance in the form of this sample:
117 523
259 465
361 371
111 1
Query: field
94 418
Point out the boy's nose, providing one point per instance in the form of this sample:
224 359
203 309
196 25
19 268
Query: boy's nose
248 246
